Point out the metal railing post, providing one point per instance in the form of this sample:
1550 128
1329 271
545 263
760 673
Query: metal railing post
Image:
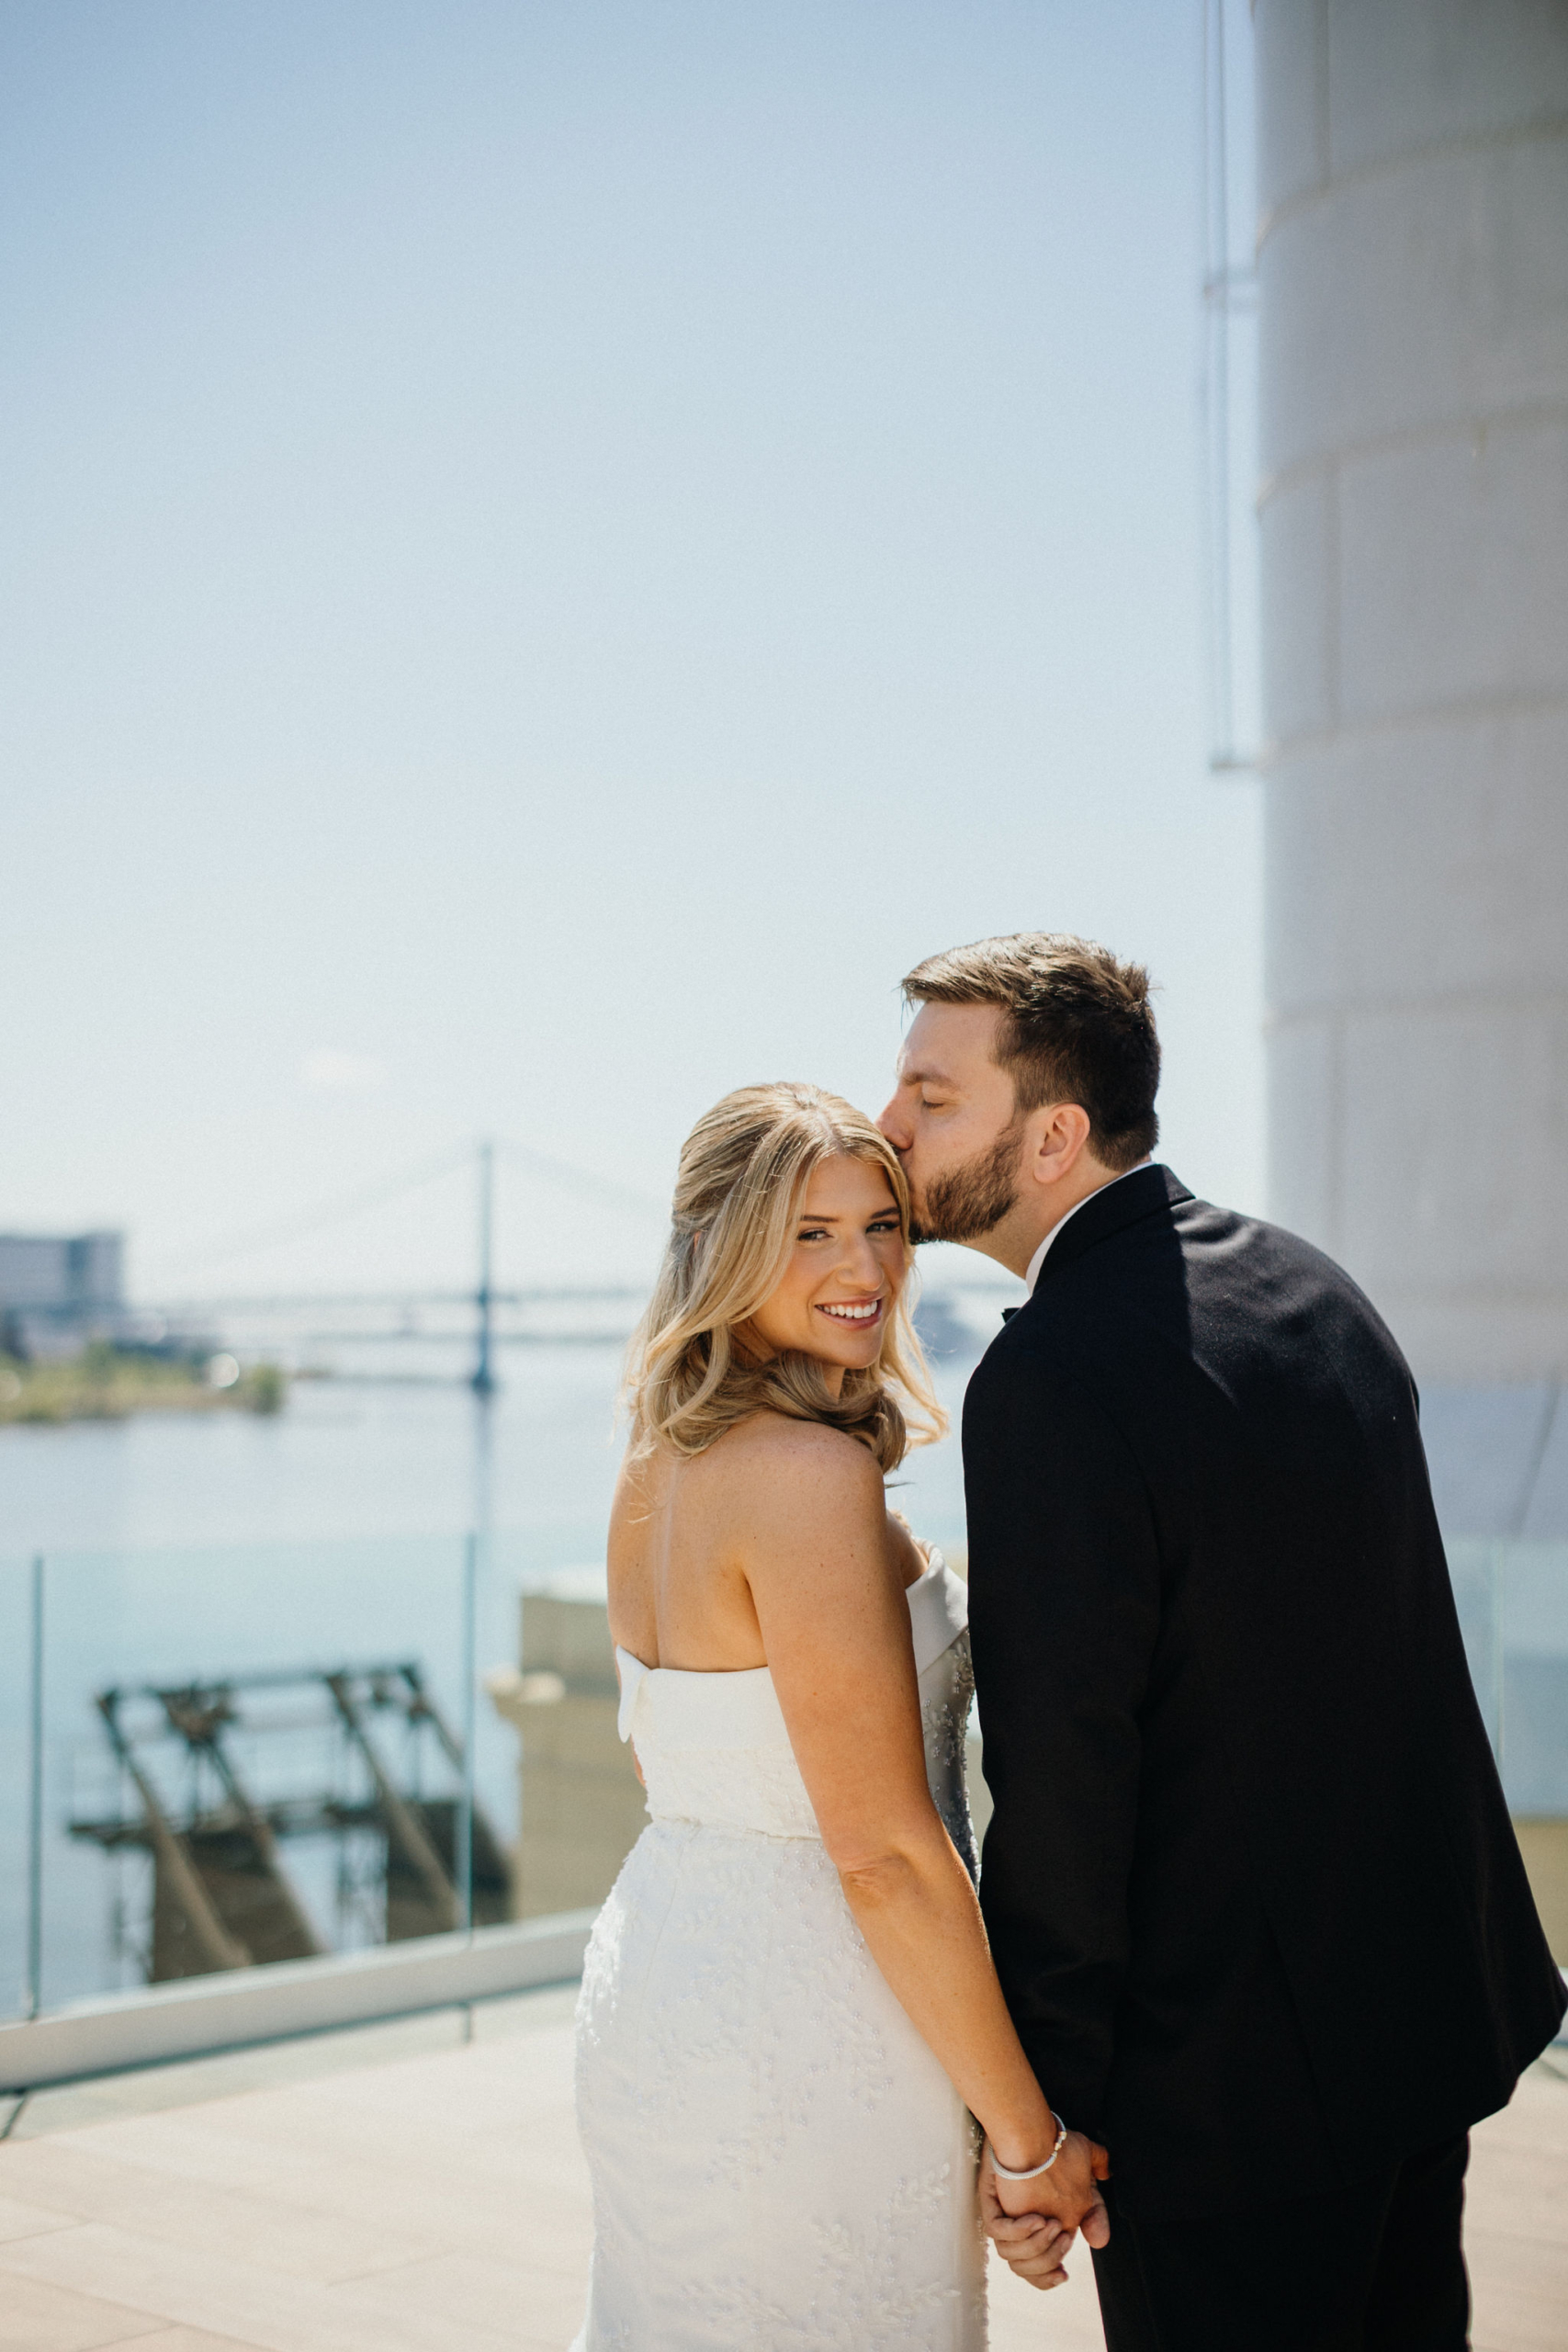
465 1855
35 1799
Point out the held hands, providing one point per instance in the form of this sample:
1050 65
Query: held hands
1034 2222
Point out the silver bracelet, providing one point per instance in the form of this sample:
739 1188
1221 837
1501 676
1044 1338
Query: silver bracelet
1036 2170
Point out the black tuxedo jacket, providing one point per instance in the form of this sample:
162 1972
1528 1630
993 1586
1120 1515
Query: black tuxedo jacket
1253 1895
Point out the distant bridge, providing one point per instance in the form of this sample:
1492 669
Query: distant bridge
398 1311
400 1301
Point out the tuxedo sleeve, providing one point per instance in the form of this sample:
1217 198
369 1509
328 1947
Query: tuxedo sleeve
1063 1603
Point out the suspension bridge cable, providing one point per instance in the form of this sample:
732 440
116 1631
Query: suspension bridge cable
388 1188
339 1211
561 1172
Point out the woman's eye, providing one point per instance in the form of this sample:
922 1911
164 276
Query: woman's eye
813 1233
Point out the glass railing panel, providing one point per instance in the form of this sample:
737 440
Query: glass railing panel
1513 1609
347 1677
1533 1610
1475 1568
254 1753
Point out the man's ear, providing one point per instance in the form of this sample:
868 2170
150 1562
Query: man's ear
1058 1141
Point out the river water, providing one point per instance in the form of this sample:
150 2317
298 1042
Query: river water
407 1453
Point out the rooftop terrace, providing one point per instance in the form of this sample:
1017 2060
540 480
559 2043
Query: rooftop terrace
400 2189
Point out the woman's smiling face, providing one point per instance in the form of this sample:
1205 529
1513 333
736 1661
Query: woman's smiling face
844 1273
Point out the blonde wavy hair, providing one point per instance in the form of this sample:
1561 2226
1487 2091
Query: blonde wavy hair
743 1173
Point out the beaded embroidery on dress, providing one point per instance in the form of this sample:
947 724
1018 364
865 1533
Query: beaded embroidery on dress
778 2161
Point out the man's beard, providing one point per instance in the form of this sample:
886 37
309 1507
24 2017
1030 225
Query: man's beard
974 1198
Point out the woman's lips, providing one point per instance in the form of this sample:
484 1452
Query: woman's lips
855 1314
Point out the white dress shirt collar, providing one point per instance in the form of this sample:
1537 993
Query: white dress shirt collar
1033 1276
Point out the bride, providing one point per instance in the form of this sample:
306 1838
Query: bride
789 2014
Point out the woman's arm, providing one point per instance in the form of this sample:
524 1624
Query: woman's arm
827 1586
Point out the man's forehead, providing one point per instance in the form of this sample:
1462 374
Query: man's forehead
919 1069
949 1045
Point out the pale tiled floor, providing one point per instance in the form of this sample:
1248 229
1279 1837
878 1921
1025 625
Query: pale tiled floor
397 2192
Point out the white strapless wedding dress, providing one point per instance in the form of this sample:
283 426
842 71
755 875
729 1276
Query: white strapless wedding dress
779 2162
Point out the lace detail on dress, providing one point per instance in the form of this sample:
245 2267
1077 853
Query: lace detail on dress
779 2162
860 2301
762 1790
944 1719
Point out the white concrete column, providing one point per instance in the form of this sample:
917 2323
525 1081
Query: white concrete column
1413 263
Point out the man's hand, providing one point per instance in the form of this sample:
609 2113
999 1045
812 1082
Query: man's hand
1034 2221
1034 2246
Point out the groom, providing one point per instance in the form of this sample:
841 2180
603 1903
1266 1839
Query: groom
1250 1883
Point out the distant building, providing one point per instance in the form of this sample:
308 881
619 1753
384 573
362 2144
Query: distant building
58 1291
581 1806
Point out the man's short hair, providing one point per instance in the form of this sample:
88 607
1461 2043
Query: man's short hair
1078 1028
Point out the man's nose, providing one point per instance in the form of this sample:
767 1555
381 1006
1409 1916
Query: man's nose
894 1125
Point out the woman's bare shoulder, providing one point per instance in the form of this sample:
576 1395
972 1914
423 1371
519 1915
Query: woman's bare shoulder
776 1445
780 1482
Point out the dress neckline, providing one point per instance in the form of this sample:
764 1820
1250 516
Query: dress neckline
939 1613
935 1567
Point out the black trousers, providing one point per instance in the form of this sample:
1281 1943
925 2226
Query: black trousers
1375 2268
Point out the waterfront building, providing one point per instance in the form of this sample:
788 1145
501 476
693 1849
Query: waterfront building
58 1291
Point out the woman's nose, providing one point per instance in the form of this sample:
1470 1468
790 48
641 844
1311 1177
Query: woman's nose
860 1265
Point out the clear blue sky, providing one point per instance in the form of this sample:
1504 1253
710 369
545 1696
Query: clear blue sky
551 550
